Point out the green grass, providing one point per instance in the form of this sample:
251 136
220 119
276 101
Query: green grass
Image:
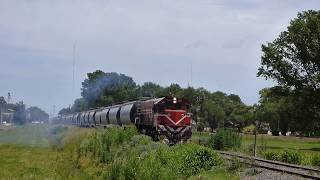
56 152
26 153
309 145
274 143
29 135
20 162
128 155
217 174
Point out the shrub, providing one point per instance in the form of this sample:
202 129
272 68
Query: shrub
130 171
217 141
225 139
183 160
56 135
99 143
286 156
249 129
235 164
201 140
292 157
113 171
197 160
315 160
122 154
200 126
271 155
275 132
162 162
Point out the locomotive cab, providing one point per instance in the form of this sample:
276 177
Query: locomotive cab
173 119
173 112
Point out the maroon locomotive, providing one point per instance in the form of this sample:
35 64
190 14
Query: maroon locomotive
167 118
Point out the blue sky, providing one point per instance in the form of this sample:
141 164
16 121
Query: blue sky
149 40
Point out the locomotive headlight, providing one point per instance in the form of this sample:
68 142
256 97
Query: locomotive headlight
174 100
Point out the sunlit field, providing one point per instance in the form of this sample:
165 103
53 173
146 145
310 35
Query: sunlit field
306 147
303 144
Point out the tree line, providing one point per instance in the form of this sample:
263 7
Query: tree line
292 60
213 109
21 114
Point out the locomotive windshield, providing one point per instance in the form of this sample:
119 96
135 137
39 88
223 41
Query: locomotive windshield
171 104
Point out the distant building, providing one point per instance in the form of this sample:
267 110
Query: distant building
6 118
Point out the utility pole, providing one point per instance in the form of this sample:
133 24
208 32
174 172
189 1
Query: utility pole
255 143
54 110
191 74
1 113
255 139
73 70
9 98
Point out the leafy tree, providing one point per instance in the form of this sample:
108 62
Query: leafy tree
2 100
293 60
235 98
65 111
193 96
149 89
19 116
269 110
213 114
37 114
102 89
277 107
241 116
224 102
79 105
174 90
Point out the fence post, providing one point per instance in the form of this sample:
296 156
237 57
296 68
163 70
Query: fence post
255 143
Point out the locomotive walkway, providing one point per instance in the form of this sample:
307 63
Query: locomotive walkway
303 171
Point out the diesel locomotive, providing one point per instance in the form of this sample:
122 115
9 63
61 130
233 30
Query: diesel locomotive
167 118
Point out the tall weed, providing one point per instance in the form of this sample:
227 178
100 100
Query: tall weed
287 156
315 160
225 139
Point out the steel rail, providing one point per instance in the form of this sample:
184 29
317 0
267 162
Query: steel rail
303 171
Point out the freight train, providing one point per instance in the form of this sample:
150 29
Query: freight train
167 118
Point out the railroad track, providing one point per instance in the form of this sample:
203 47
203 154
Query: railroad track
303 171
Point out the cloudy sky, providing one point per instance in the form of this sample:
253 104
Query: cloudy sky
149 40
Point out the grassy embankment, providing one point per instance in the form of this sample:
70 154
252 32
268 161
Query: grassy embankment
307 147
43 152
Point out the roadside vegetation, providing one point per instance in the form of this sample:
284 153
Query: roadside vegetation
124 154
61 152
28 152
295 150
